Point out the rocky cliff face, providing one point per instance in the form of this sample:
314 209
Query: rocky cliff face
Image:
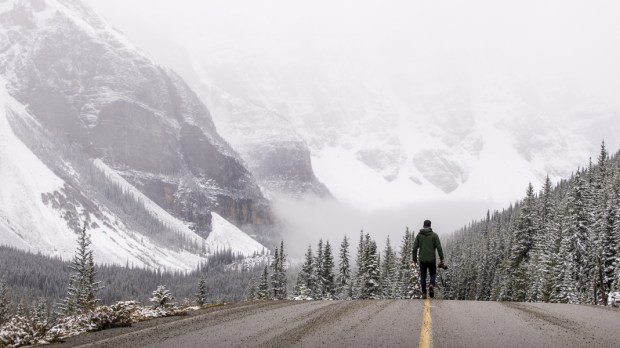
275 153
86 86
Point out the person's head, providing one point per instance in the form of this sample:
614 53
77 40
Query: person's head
427 223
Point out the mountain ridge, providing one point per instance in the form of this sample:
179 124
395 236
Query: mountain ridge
88 105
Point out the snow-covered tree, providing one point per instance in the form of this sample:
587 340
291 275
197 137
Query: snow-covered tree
327 272
263 286
278 276
275 285
82 289
307 275
524 237
318 265
344 284
4 301
358 280
578 231
252 290
548 244
162 298
201 294
370 273
408 275
389 272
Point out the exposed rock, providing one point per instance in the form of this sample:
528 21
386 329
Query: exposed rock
83 83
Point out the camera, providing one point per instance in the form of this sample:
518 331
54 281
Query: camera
442 266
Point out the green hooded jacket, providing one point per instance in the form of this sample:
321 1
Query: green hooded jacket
427 241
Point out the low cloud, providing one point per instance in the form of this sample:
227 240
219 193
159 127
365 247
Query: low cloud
306 220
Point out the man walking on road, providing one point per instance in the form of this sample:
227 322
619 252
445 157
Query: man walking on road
427 241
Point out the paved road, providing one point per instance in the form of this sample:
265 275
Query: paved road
381 323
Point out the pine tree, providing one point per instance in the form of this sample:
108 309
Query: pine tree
602 221
578 231
275 267
252 290
611 237
370 273
82 289
263 286
201 295
282 279
389 271
162 297
483 285
566 292
39 318
408 277
4 301
327 272
318 264
358 281
278 277
307 278
344 285
525 234
549 242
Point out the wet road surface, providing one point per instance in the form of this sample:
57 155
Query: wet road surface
373 323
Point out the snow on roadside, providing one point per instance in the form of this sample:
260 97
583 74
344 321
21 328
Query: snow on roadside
613 300
23 330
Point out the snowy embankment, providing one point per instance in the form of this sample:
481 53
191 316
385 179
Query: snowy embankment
613 299
36 329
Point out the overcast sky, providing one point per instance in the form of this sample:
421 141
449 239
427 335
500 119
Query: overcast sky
549 41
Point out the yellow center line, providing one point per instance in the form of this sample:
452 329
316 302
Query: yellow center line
425 333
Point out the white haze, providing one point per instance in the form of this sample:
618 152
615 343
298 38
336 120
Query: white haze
553 52
551 43
311 218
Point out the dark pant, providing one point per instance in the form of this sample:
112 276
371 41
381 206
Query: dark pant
432 267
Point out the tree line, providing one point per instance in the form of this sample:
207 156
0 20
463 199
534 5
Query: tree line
557 245
373 275
29 278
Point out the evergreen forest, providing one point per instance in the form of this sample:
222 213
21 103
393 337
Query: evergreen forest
557 245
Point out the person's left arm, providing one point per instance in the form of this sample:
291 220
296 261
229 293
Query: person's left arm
438 247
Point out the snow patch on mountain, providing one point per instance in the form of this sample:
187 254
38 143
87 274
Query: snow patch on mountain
26 220
226 236
158 212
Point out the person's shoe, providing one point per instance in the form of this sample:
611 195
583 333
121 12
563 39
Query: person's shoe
424 296
431 291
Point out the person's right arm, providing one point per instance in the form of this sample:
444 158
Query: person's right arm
416 246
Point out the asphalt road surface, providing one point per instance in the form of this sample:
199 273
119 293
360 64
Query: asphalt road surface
373 323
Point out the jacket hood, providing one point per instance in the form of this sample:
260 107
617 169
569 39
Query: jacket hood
426 231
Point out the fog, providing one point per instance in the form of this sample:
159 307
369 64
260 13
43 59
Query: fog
556 55
310 219
549 43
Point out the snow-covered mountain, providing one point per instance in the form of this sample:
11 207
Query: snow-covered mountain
93 132
395 104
